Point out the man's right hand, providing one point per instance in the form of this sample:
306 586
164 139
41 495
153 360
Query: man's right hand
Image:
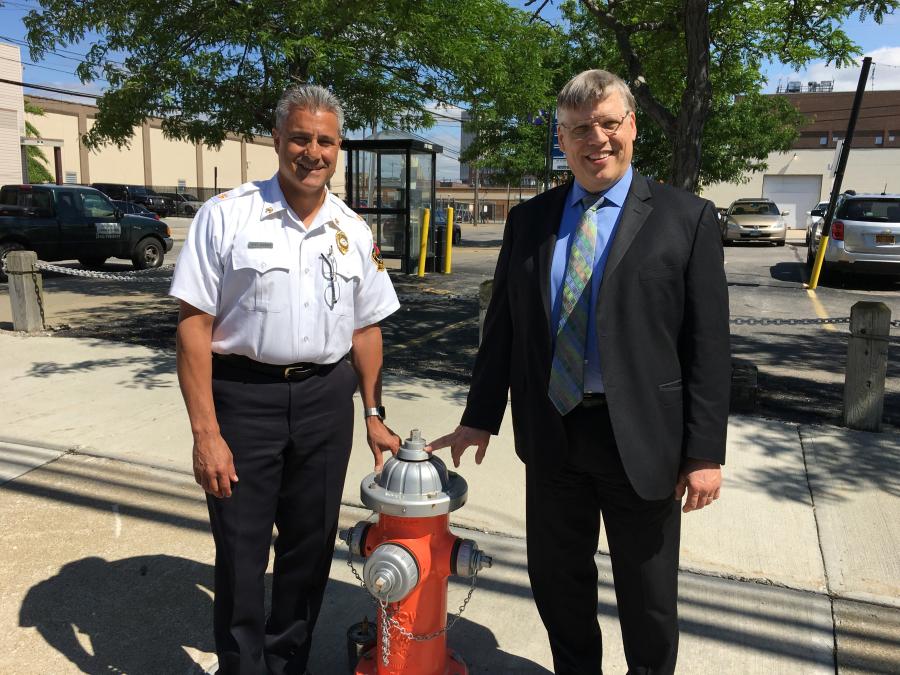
214 464
460 440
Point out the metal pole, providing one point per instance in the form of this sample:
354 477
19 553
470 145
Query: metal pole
839 175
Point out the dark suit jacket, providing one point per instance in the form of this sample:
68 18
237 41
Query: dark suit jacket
662 316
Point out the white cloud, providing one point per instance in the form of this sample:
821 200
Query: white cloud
884 75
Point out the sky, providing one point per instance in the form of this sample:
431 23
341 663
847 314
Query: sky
881 42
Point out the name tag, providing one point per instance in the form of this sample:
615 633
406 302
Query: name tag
259 244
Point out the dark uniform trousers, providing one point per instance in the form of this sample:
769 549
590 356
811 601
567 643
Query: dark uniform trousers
563 512
291 444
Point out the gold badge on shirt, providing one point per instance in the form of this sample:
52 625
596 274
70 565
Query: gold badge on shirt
343 243
376 258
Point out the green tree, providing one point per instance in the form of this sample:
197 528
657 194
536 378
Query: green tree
695 69
37 160
207 67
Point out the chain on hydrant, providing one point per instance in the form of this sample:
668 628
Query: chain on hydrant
410 553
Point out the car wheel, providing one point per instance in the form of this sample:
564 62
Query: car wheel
92 263
148 254
457 237
6 248
780 242
810 257
188 210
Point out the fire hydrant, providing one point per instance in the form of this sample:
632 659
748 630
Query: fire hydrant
409 554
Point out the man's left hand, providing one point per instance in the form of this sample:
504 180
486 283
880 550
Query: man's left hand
702 480
381 439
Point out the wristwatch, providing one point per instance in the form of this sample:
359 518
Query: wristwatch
377 411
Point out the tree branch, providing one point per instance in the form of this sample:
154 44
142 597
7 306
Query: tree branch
638 83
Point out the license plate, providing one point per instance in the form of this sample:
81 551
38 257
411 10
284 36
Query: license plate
754 233
884 239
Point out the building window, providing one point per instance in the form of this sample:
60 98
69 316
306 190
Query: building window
892 138
71 178
823 140
879 140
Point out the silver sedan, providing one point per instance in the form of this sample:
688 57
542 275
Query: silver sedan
754 220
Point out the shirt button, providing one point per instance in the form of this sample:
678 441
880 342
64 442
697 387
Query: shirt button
306 270
306 304
306 339
262 265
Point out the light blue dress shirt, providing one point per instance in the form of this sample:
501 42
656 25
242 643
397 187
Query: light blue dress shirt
607 219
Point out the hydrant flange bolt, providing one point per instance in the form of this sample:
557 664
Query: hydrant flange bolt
390 572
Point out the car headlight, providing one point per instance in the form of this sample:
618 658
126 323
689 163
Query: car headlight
732 225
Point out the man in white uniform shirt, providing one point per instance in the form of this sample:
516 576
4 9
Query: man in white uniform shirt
278 281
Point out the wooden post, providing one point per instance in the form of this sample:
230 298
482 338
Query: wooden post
485 290
26 291
870 324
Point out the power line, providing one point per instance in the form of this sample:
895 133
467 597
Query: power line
42 87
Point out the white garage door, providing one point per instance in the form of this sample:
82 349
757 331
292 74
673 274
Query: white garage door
797 194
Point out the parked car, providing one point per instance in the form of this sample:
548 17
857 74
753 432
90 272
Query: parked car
137 194
134 209
440 225
64 222
754 220
865 236
186 204
814 218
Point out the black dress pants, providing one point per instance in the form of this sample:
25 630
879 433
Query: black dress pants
291 444
563 511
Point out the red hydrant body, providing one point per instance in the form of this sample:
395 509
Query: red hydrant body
410 554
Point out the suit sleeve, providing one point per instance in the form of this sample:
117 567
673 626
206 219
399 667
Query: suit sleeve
705 348
489 391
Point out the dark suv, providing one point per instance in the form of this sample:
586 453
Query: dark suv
137 194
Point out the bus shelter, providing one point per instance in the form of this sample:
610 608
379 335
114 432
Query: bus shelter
390 183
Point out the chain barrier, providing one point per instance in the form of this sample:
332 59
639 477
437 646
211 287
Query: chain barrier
164 273
387 620
895 323
39 295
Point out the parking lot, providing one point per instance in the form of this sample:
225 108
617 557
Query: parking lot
796 338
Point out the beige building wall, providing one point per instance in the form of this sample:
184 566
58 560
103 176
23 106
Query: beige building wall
65 129
262 162
867 171
228 160
110 164
12 117
171 161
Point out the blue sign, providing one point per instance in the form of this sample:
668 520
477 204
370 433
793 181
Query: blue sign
556 152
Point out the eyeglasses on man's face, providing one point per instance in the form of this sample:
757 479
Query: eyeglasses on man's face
608 125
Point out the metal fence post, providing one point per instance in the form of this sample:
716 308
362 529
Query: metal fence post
26 290
867 349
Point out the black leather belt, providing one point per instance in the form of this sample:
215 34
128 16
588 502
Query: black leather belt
293 372
593 400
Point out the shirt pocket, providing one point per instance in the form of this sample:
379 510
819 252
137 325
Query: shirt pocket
265 276
337 287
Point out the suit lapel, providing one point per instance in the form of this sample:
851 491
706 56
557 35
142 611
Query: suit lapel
546 229
635 211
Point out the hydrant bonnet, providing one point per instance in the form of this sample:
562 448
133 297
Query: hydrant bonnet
414 484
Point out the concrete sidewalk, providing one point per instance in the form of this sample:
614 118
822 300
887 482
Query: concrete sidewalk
106 559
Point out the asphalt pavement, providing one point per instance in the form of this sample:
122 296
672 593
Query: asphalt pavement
106 557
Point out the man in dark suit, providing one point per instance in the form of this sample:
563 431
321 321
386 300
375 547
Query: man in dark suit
608 326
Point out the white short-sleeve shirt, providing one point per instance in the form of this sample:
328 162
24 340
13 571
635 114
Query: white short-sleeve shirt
282 291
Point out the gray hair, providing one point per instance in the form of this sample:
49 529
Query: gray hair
309 97
591 86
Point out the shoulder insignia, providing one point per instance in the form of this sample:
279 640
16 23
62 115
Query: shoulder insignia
223 195
376 258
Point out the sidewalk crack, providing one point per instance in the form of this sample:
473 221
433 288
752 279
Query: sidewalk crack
828 589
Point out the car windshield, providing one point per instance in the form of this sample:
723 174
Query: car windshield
140 191
754 208
871 210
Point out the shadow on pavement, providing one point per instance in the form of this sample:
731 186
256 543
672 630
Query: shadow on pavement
151 372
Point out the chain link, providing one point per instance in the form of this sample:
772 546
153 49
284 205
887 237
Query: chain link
40 297
136 275
789 322
387 620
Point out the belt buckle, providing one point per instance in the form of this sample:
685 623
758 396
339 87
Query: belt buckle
291 371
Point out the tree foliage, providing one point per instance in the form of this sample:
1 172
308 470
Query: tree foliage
207 67
37 160
695 69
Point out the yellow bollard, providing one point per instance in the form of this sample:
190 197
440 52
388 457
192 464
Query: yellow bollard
817 266
448 255
423 243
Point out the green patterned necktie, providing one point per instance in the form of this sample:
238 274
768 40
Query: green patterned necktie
567 372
